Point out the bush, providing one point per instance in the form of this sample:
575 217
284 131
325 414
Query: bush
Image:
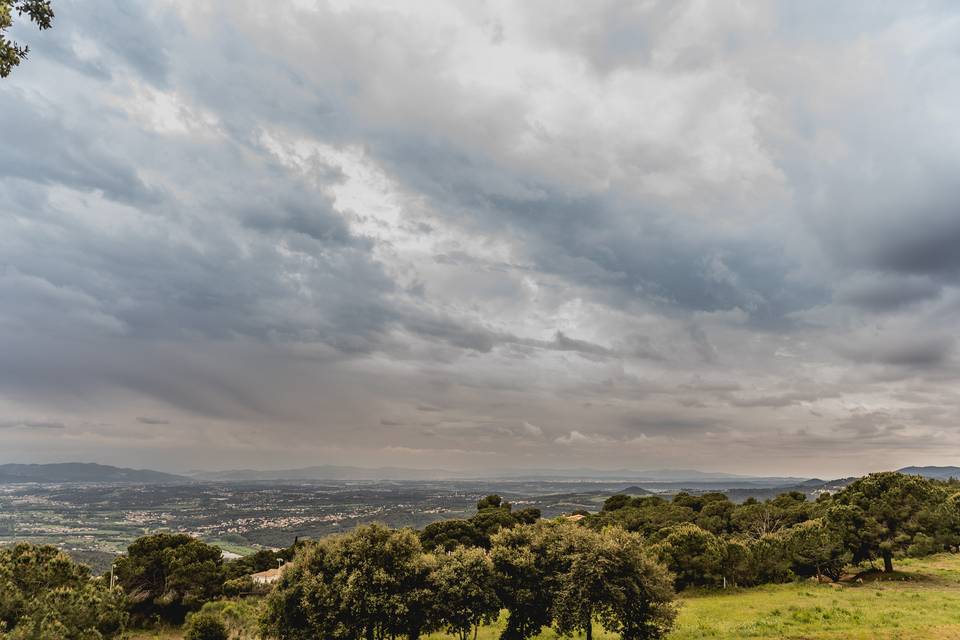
205 626
238 586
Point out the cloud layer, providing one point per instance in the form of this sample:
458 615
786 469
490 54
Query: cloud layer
489 235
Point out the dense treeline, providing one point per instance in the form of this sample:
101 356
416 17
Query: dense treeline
377 583
619 567
707 540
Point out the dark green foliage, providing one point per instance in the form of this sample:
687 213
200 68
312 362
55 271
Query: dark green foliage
618 501
447 535
372 584
44 594
205 626
493 501
613 578
528 515
530 562
757 519
170 575
491 520
715 513
463 586
695 556
882 515
238 586
40 12
815 548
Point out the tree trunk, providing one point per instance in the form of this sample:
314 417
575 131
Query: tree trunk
589 626
370 634
887 562
476 630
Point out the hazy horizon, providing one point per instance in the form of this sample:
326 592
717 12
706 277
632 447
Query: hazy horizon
482 236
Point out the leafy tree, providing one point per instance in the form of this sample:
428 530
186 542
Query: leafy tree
738 567
769 560
371 583
816 549
40 12
614 502
170 575
205 626
464 591
695 556
649 515
493 501
44 594
491 520
882 514
447 535
529 561
757 519
715 514
528 515
612 577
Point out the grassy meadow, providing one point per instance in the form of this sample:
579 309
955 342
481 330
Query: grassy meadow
921 601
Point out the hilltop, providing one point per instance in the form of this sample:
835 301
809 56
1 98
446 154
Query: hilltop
83 472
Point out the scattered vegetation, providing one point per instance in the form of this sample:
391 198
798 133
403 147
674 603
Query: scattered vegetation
511 575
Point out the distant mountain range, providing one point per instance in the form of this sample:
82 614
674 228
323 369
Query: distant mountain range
939 473
323 472
83 472
661 478
345 473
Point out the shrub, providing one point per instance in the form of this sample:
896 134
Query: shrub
205 626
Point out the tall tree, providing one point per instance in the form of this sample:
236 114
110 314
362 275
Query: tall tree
613 577
816 549
881 514
170 575
464 591
695 556
529 561
40 12
371 584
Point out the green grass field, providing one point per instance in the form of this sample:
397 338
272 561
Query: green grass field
920 602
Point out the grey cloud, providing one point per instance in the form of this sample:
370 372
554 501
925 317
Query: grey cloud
913 352
887 293
31 424
42 147
686 225
666 424
149 420
783 399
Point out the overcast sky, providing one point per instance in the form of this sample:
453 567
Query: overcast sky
483 235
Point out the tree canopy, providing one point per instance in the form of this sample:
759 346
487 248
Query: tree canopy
170 575
44 594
